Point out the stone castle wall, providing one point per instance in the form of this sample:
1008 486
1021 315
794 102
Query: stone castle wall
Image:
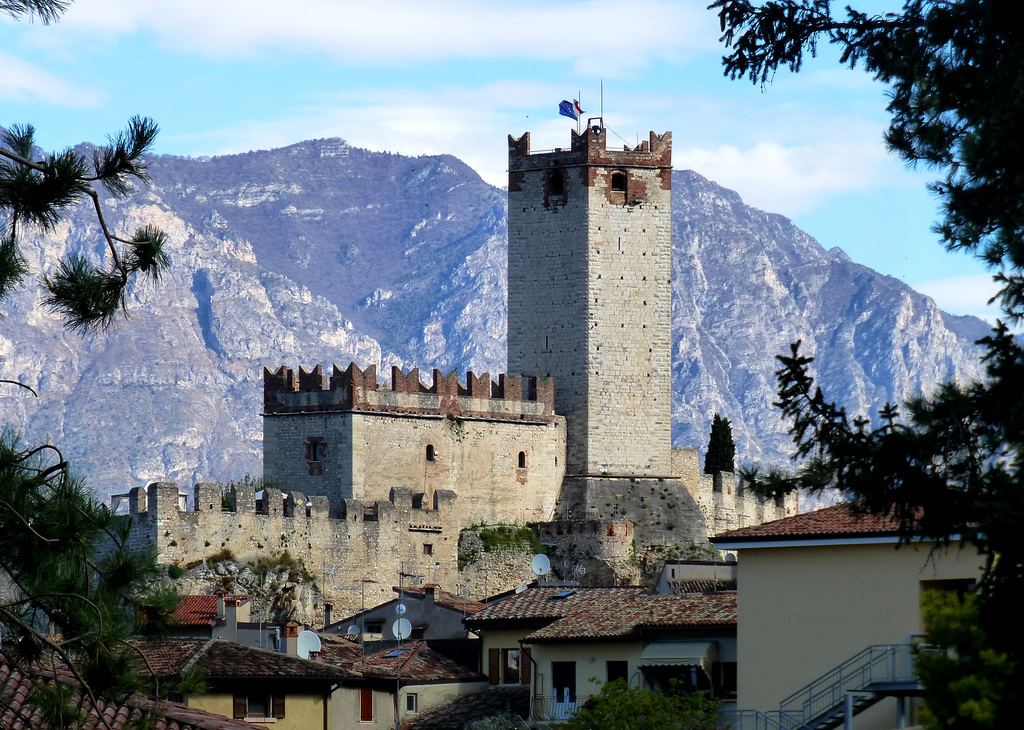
499 444
723 499
589 295
371 540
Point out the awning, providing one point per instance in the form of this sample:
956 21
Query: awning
680 654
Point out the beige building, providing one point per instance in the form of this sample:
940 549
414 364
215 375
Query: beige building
816 591
564 643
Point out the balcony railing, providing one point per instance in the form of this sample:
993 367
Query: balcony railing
552 709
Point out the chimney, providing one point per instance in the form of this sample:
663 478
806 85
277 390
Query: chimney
428 596
327 615
220 593
291 639
230 611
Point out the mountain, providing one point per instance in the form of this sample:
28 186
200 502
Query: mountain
324 253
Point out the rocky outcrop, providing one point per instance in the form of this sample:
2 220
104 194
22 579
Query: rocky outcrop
324 253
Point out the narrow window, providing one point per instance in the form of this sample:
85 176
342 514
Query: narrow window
411 703
257 706
365 704
522 459
430 452
619 182
428 549
556 183
278 706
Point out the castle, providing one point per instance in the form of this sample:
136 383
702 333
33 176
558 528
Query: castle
384 477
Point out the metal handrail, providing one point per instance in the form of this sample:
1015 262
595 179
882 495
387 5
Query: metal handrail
881 663
878 663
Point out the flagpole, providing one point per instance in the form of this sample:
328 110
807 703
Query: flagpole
579 95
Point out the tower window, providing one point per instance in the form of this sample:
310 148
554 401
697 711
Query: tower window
431 456
556 183
522 459
619 182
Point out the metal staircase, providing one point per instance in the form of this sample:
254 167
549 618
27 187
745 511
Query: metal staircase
879 671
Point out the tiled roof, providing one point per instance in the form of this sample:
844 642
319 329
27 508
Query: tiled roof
444 598
219 659
585 613
419 662
197 610
842 520
701 586
17 712
457 714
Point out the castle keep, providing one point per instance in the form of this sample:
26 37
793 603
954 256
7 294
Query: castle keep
383 477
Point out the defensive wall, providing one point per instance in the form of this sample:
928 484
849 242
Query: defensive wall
498 443
725 501
369 540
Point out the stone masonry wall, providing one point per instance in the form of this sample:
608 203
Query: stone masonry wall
590 295
722 498
357 441
372 540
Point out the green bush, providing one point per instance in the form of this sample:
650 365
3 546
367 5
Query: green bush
174 571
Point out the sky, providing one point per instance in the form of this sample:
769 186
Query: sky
457 76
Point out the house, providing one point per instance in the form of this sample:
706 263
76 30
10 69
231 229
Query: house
257 685
411 677
223 616
565 642
697 576
816 592
17 712
433 613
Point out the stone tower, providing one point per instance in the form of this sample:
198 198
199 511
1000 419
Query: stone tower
589 296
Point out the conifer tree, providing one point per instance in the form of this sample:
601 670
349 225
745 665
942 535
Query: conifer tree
954 466
72 591
721 455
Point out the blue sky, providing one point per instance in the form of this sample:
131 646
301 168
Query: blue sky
457 76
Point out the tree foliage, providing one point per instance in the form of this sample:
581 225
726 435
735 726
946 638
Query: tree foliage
721 454
953 465
38 192
617 706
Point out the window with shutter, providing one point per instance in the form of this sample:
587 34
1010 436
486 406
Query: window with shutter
239 707
493 666
526 667
278 707
365 704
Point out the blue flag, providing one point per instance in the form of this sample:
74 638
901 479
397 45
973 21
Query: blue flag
570 109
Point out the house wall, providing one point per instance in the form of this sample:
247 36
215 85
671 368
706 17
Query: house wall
303 711
346 709
804 610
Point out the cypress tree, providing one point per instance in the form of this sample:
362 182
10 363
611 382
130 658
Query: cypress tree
721 453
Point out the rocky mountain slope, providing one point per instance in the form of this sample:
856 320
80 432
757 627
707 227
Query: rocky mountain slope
324 253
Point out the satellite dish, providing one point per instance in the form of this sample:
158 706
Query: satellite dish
730 558
400 608
308 641
540 564
353 629
401 628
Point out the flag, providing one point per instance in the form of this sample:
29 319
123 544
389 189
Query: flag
570 109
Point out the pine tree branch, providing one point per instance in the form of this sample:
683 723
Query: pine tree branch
103 226
26 387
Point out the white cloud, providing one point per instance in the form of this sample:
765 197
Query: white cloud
963 295
23 81
590 32
789 180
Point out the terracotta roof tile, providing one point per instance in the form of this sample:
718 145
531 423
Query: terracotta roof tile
842 520
419 662
219 659
457 714
585 613
197 610
701 586
17 713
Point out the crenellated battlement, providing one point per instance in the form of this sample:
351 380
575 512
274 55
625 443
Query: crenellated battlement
590 147
520 398
385 533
